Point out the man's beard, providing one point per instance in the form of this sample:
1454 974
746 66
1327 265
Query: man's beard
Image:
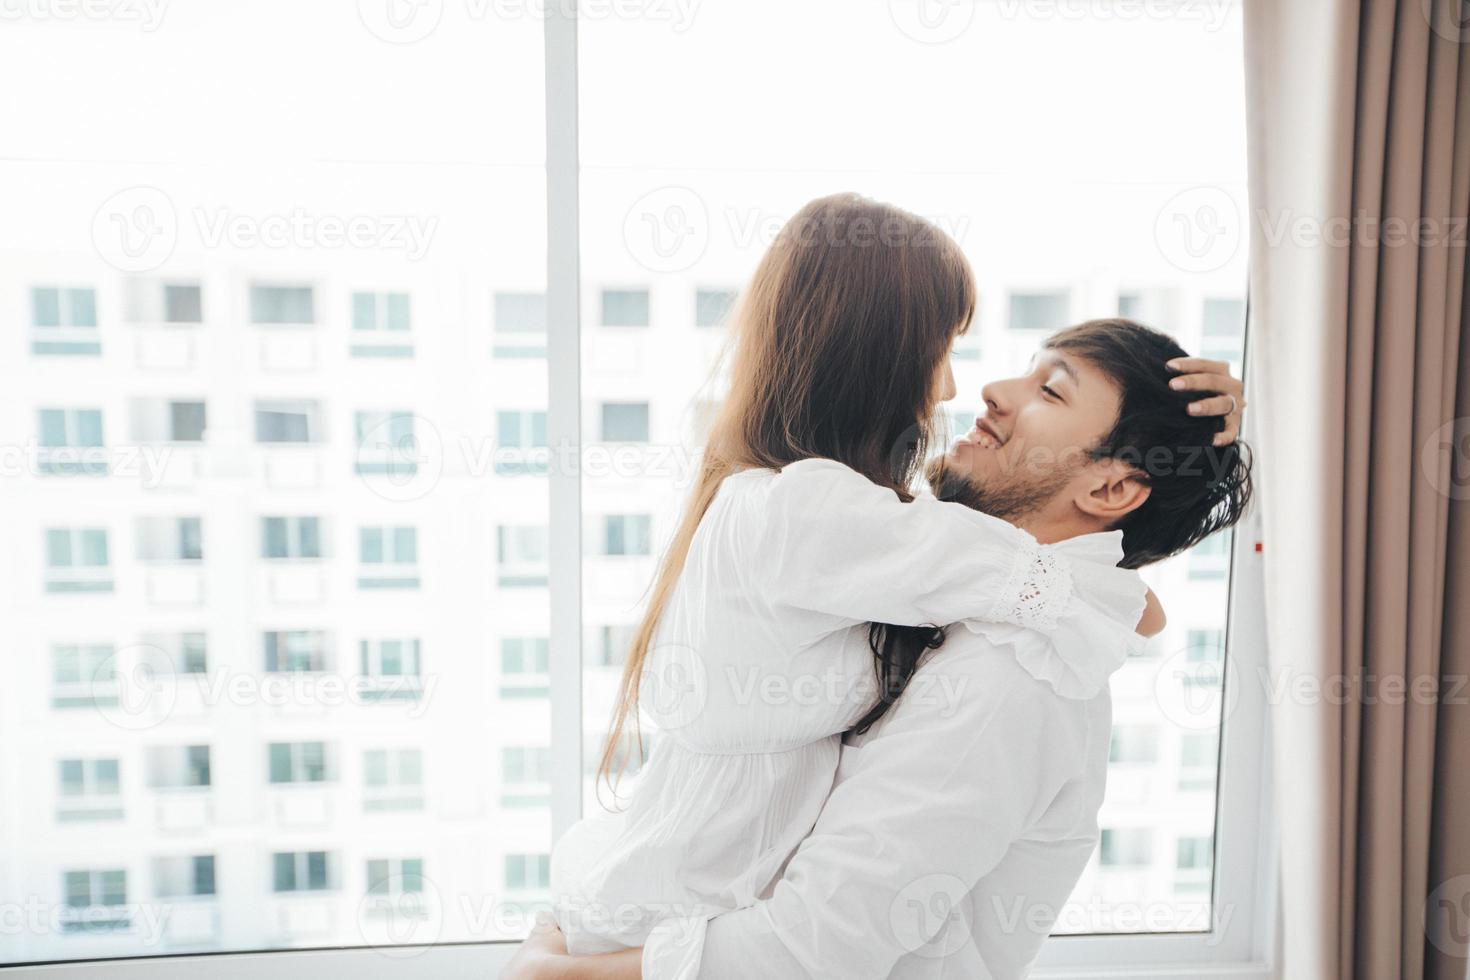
1011 497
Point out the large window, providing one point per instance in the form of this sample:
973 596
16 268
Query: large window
315 649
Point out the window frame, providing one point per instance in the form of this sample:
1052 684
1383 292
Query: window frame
1244 843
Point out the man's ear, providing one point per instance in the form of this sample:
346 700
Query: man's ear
1115 491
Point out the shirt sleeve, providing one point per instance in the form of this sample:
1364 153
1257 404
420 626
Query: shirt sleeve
936 798
845 550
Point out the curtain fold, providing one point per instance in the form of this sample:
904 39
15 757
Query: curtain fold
1359 127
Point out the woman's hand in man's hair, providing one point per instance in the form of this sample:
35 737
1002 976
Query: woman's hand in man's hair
1203 374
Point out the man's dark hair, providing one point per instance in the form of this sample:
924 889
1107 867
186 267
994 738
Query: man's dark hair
1195 487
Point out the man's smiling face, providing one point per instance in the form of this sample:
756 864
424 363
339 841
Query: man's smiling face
1033 441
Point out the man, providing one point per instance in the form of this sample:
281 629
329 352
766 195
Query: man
960 821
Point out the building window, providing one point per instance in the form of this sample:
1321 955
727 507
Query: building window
627 534
522 445
288 422
178 767
380 325
1126 847
64 320
184 876
170 539
389 557
521 551
527 872
77 560
272 305
70 442
176 653
1222 329
1134 745
1205 646
296 651
153 301
386 443
97 900
83 675
520 325
52 306
380 311
90 790
291 537
625 307
300 871
1038 310
393 779
1210 559
392 877
625 422
1199 754
614 642
298 762
524 663
392 667
526 775
711 306
1130 306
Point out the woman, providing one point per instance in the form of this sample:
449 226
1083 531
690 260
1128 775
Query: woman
802 524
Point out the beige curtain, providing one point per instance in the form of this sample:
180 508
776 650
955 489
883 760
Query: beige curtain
1360 366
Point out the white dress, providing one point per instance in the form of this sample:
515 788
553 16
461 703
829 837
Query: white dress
756 671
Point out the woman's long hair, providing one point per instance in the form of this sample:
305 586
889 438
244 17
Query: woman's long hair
838 341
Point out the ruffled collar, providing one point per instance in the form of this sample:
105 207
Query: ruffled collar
1095 632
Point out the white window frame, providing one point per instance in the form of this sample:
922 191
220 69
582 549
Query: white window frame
1244 842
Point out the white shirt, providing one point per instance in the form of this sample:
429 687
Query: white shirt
953 836
761 660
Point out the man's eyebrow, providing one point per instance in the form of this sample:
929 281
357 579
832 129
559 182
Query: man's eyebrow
1056 360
